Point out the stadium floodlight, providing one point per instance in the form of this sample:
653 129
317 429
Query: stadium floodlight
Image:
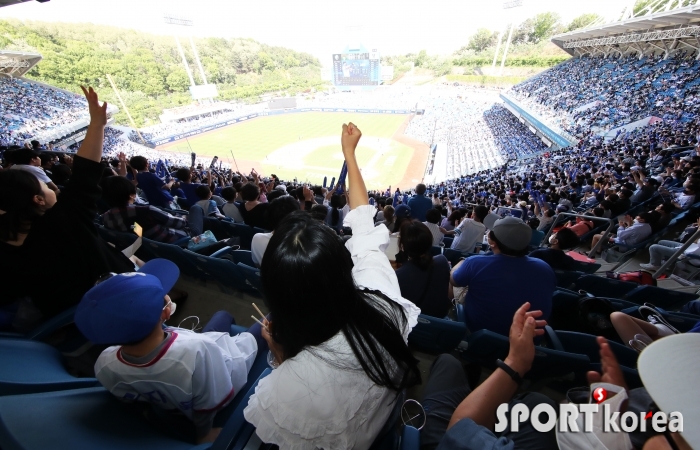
506 5
181 21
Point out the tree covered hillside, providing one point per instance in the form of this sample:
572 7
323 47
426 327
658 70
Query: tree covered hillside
148 69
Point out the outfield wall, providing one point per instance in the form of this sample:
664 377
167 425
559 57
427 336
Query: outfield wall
224 123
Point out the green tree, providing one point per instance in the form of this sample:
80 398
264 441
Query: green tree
545 25
583 21
421 58
178 81
482 39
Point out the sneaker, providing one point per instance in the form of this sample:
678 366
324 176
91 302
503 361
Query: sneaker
654 317
649 267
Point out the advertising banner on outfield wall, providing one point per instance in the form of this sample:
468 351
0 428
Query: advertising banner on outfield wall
177 137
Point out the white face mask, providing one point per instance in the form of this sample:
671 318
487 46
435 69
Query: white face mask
635 221
553 239
173 307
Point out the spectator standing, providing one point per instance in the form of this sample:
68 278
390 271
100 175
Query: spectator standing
419 203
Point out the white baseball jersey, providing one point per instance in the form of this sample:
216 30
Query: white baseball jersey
197 373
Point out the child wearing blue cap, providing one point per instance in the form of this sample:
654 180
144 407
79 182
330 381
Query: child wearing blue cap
172 368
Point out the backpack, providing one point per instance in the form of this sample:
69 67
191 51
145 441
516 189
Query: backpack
636 276
593 317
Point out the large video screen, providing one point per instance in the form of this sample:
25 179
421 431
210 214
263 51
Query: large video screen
355 69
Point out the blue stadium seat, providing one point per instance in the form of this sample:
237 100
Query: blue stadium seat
243 231
485 347
435 335
604 287
453 256
46 328
435 250
663 298
237 256
410 438
29 366
92 418
566 278
119 239
252 276
223 271
175 254
587 268
195 220
586 344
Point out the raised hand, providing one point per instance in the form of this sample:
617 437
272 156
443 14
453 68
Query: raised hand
522 332
610 368
98 114
350 137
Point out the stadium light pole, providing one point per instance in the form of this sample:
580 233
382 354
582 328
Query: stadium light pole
509 5
173 20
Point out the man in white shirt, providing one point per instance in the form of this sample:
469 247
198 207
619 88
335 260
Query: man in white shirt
470 232
432 218
630 232
684 200
29 160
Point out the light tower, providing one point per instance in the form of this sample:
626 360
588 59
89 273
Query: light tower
506 5
201 93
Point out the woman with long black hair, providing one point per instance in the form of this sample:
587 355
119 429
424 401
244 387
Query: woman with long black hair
338 329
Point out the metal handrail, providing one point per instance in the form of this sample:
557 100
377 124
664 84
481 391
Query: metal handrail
594 250
670 261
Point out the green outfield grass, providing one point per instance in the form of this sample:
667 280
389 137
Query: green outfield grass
312 142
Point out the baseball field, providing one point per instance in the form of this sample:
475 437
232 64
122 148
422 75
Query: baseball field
307 146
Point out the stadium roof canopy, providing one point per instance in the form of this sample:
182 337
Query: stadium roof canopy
16 64
14 2
661 29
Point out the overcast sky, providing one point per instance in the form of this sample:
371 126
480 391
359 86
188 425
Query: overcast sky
320 27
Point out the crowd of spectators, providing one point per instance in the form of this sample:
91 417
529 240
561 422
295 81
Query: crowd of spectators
585 95
28 108
338 339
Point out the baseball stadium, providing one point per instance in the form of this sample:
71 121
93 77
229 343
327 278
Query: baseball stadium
309 225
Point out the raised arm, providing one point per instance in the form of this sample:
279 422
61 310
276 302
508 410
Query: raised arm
349 139
91 148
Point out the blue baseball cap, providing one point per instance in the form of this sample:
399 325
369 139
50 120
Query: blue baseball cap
402 211
125 307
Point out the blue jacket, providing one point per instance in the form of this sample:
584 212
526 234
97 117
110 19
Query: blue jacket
419 204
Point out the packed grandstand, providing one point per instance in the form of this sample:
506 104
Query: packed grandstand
525 271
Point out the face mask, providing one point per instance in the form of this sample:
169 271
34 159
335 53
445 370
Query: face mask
635 221
553 239
173 308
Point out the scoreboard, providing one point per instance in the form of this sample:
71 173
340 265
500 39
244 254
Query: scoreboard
357 68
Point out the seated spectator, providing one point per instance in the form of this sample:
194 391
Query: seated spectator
30 161
661 217
563 239
432 218
334 219
338 330
279 208
684 200
380 205
452 220
184 175
56 239
424 279
389 219
156 190
495 281
470 231
630 328
419 203
120 195
624 202
253 212
582 225
665 249
319 212
206 203
459 418
194 374
546 217
230 208
630 231
646 187
537 235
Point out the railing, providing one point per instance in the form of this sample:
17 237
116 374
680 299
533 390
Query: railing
594 250
670 261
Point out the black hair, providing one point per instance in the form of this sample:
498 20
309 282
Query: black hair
183 174
309 288
116 191
433 216
138 163
17 191
646 217
420 189
319 212
276 193
417 241
24 156
279 209
481 212
202 191
229 193
504 249
335 204
250 192
567 238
